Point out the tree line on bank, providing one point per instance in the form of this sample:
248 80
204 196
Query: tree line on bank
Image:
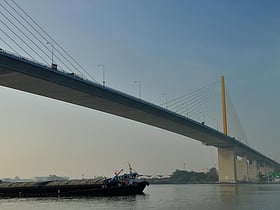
184 177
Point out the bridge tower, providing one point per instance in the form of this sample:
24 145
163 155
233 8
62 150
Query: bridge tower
235 164
226 156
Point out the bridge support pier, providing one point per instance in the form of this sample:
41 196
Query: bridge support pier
261 167
269 169
227 165
264 167
252 171
241 169
235 166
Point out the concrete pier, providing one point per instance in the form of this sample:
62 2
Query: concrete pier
227 165
252 171
242 169
236 166
25 75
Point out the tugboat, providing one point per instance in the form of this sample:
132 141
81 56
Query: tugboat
119 185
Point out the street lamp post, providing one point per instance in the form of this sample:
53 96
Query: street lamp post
52 50
165 94
187 111
139 83
103 68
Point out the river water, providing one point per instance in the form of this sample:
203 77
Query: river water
173 197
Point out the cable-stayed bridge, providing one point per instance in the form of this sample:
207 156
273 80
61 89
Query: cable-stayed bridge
25 75
67 82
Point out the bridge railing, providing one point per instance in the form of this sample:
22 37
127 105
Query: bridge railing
39 64
20 57
85 80
133 99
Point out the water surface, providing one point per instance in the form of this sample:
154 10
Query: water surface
175 197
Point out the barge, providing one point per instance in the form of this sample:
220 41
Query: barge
119 185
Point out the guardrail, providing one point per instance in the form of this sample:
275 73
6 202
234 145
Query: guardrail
39 64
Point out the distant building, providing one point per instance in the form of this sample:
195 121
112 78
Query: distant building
16 179
50 178
205 170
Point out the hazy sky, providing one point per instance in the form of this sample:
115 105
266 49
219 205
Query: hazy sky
172 47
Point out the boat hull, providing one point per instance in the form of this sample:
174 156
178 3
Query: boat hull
73 190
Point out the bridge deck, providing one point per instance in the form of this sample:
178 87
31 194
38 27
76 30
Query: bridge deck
24 75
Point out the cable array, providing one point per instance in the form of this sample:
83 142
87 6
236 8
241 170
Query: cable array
21 34
199 105
234 124
204 105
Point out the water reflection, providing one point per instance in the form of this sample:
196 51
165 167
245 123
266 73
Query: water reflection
169 197
246 196
227 194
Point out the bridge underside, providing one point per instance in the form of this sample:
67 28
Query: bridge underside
27 76
238 165
68 88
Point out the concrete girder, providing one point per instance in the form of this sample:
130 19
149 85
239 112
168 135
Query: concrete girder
21 74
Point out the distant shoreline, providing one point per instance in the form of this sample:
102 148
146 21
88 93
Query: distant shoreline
218 183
